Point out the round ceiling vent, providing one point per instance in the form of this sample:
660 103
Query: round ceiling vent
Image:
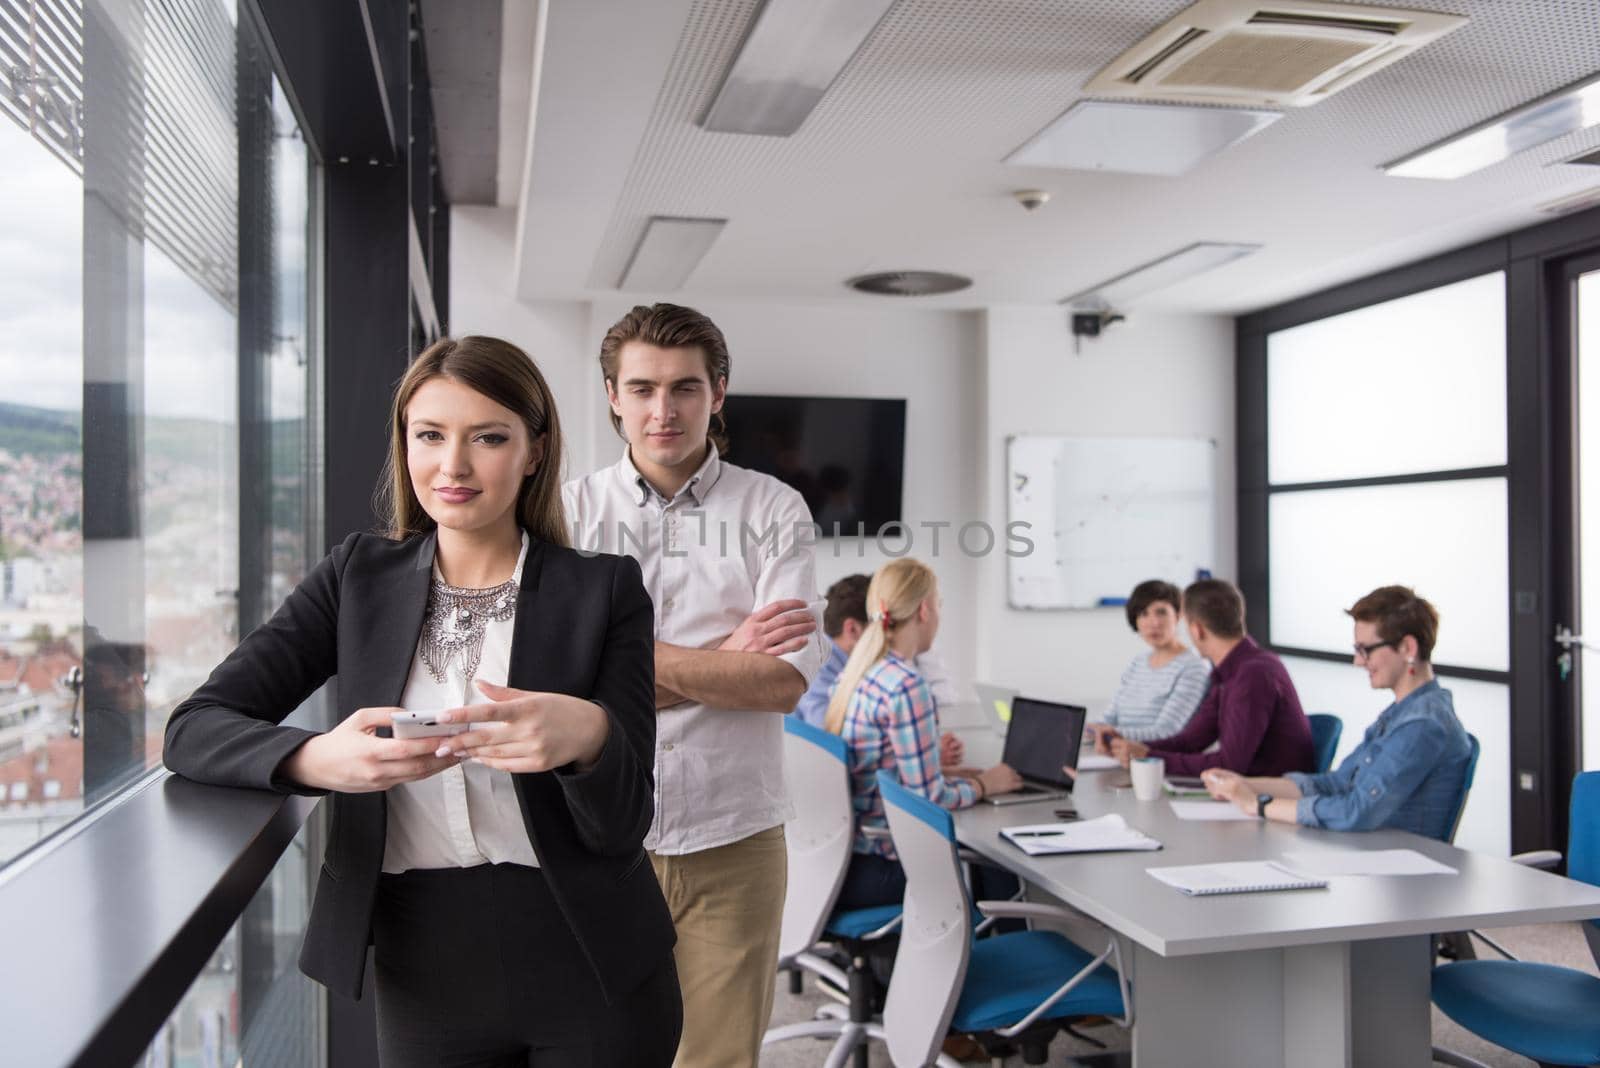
909 283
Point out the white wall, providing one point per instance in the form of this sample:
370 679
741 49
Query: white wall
554 333
1151 376
969 378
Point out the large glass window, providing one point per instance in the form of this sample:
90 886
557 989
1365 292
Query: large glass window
1447 539
1414 384
250 1004
157 459
1406 400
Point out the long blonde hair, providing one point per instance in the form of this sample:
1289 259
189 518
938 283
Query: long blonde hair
509 377
897 591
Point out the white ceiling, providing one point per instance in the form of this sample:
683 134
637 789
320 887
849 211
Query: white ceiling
899 166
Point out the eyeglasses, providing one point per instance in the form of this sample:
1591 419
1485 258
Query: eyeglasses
1364 652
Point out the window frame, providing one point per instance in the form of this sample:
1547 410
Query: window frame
1541 764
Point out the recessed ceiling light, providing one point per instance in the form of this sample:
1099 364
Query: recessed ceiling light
1589 157
1488 143
668 252
1587 198
791 55
1158 274
1169 139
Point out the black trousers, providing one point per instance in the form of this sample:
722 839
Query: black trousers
873 880
476 968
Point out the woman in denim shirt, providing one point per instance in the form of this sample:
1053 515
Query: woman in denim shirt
1407 772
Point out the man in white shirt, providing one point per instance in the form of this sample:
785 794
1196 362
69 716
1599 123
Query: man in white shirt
726 556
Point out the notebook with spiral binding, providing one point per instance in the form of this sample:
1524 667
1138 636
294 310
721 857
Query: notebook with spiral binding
1237 877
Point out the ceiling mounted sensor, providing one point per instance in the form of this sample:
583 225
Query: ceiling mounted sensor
1136 138
1158 274
1288 54
909 283
668 252
1529 126
791 54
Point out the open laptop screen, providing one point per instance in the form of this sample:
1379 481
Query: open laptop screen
1043 738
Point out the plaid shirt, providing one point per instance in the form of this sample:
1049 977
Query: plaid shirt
893 724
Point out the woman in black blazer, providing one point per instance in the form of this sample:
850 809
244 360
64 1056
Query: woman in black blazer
498 874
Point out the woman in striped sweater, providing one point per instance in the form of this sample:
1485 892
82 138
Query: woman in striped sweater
1161 689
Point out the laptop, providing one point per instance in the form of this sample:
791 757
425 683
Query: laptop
995 701
1042 739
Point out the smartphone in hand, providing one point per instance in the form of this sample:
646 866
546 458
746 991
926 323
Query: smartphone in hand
424 725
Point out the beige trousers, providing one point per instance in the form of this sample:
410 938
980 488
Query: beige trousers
727 904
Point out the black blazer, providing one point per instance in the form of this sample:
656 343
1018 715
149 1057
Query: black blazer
584 626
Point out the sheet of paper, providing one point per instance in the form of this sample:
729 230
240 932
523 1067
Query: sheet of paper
1107 833
1365 862
1235 877
1208 810
1096 762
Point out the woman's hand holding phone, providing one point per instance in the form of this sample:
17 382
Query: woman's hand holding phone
523 731
352 759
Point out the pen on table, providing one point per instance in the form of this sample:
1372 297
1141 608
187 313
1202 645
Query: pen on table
1035 834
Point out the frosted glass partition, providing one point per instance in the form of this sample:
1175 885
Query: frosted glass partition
1332 387
1447 540
1484 709
1589 506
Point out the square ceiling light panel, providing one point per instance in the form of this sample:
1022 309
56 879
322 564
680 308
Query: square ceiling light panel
1166 139
792 53
1158 274
668 252
1566 111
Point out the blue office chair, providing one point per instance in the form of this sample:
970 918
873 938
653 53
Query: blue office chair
817 769
1466 784
1018 986
1325 731
1549 1014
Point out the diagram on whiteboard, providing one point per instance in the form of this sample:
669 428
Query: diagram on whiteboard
1108 513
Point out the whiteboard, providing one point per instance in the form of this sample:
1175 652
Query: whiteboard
1105 514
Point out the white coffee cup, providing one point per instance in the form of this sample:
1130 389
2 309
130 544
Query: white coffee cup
1147 773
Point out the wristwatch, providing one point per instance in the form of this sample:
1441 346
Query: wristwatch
1262 801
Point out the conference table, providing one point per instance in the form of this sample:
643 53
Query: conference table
1330 977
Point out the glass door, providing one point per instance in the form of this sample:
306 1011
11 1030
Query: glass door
1579 650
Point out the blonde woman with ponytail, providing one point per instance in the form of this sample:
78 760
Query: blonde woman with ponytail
885 711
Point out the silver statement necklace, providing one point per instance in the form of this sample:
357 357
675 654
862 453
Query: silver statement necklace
455 621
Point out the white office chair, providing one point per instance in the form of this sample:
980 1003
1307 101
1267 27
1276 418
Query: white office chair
816 766
1012 986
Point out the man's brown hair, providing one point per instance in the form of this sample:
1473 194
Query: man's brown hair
669 326
1398 611
847 599
1217 605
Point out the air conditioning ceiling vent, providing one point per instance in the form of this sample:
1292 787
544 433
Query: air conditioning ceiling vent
909 283
1287 55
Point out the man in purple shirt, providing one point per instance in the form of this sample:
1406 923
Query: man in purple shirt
1251 712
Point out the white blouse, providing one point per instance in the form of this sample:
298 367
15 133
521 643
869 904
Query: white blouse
469 814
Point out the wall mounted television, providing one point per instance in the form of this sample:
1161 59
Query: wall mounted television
846 455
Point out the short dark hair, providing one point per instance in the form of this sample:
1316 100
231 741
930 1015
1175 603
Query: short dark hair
1148 593
847 599
1398 611
669 326
1217 605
